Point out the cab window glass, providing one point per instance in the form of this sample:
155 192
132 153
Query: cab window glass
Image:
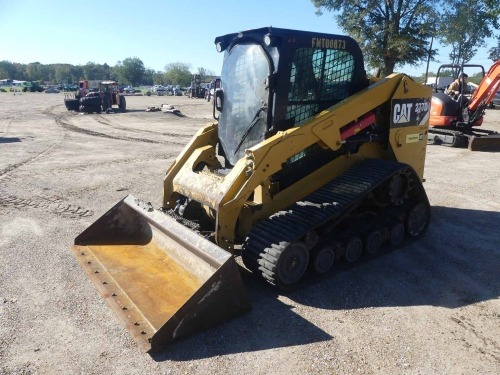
319 79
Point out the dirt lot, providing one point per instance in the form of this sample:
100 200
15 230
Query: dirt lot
430 308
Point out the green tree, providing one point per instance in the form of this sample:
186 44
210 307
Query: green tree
76 73
8 70
465 26
148 77
476 77
493 11
106 71
205 74
92 70
62 73
178 74
159 78
422 78
34 71
131 70
389 32
494 52
393 33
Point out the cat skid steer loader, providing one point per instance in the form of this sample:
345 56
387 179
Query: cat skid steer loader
309 162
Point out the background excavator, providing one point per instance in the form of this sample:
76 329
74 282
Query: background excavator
456 121
309 162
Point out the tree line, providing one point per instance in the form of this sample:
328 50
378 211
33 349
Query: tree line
130 71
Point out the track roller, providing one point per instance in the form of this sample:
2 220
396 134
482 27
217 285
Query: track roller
322 258
353 249
417 220
373 242
396 233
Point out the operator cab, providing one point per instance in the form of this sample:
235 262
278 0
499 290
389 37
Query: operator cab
274 79
450 110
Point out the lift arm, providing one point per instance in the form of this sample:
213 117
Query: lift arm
487 88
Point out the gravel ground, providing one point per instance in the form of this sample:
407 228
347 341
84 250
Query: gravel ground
429 308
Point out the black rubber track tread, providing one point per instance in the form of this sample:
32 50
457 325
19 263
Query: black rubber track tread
332 201
263 234
300 220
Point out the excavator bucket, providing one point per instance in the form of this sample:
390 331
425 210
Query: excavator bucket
162 279
485 143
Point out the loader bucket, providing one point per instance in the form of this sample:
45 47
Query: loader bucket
162 279
485 143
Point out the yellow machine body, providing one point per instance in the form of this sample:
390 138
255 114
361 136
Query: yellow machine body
166 278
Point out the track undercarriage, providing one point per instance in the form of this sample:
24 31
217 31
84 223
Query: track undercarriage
473 138
376 203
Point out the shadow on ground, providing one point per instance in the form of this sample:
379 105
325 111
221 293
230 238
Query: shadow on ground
454 265
9 139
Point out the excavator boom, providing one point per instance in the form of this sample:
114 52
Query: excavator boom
487 88
483 96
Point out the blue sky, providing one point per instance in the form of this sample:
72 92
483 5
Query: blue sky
158 32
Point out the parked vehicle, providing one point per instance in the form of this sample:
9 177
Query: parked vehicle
196 90
176 91
496 99
212 86
31 86
159 90
129 90
51 90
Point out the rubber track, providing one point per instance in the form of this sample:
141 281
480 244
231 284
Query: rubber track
267 239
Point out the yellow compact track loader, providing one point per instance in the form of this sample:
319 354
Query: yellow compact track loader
309 162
